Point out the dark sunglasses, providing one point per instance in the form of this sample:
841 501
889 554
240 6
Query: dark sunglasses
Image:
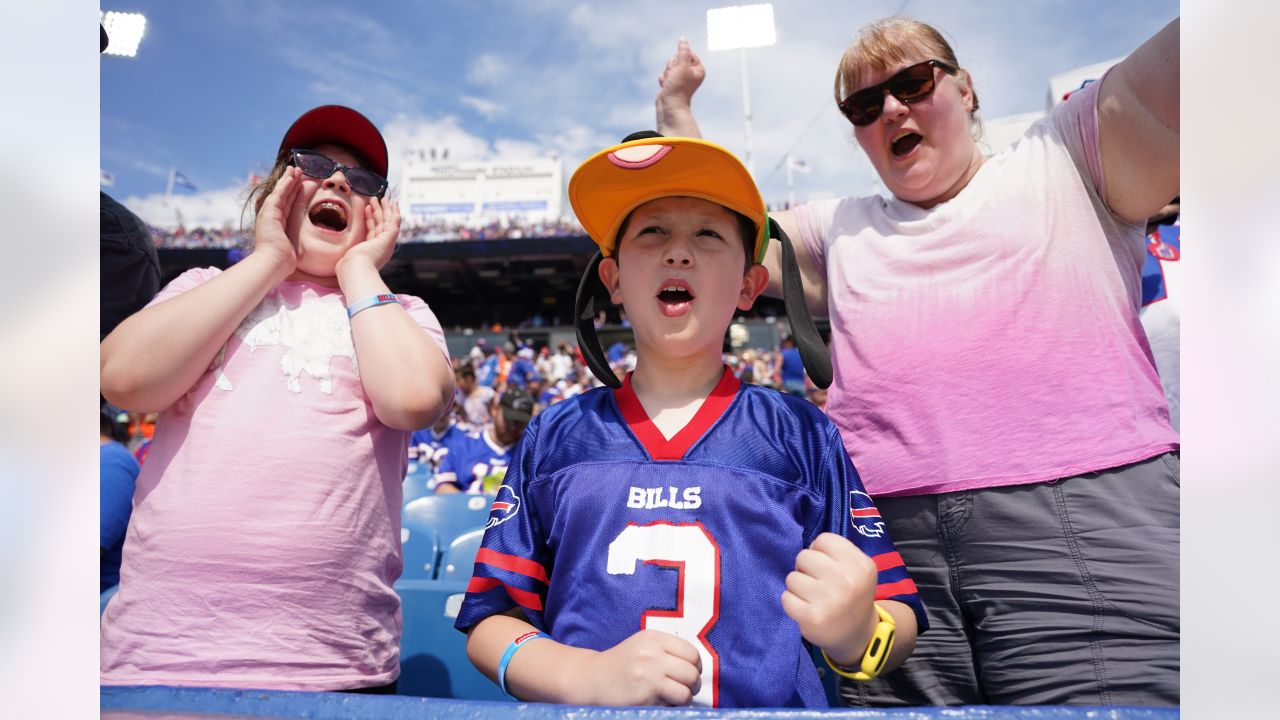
317 165
909 85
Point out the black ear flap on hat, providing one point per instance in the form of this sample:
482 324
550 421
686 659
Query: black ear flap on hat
813 352
591 294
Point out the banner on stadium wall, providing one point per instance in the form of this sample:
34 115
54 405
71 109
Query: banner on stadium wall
515 205
428 209
481 192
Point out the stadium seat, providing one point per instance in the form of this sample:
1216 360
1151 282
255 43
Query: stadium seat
420 544
460 557
449 515
417 482
433 655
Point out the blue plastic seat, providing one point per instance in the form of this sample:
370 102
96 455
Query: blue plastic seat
417 482
460 557
433 655
449 515
420 544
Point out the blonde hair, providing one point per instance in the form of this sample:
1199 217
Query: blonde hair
886 43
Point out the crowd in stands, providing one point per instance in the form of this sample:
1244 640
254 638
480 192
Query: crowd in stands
227 237
500 388
201 238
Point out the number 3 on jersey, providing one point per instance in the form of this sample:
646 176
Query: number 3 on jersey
690 550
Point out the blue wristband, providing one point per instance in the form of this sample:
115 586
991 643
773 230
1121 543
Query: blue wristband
371 301
510 651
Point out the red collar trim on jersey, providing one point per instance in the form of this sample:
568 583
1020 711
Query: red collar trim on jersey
651 438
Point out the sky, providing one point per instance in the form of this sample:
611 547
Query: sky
215 84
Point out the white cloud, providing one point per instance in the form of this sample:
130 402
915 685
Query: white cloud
210 208
576 142
406 134
486 107
509 149
488 69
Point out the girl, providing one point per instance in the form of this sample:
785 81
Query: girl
265 532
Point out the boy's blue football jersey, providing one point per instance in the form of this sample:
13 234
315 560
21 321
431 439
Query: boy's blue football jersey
604 527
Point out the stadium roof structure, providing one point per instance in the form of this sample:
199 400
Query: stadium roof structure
469 283
478 281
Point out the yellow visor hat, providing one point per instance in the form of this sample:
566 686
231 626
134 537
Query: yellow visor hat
610 184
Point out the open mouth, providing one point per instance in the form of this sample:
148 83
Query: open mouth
674 299
674 295
905 144
328 215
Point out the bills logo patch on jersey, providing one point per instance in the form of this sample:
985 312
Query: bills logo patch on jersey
505 506
866 518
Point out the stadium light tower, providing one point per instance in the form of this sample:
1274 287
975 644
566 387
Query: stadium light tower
739 27
124 32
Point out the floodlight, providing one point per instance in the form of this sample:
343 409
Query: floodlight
124 32
740 26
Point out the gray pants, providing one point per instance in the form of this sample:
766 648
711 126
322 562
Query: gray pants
1063 592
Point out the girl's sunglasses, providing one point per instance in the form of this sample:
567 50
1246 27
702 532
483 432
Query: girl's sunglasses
911 84
317 165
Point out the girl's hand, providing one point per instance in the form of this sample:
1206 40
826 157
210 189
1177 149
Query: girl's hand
830 596
269 236
382 227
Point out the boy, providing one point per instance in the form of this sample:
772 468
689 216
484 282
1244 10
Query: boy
682 536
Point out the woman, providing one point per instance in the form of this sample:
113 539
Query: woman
993 384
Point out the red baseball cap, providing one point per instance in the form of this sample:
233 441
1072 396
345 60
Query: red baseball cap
340 125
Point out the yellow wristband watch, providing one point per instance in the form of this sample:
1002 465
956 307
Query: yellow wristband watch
877 653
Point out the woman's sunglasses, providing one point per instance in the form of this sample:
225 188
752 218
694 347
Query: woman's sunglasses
317 165
911 84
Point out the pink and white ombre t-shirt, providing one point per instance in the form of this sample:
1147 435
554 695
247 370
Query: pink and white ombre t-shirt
993 339
265 534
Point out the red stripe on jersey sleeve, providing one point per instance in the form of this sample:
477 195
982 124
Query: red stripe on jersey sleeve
888 561
901 587
512 563
524 598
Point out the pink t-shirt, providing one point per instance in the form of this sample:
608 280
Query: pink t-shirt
265 534
993 339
